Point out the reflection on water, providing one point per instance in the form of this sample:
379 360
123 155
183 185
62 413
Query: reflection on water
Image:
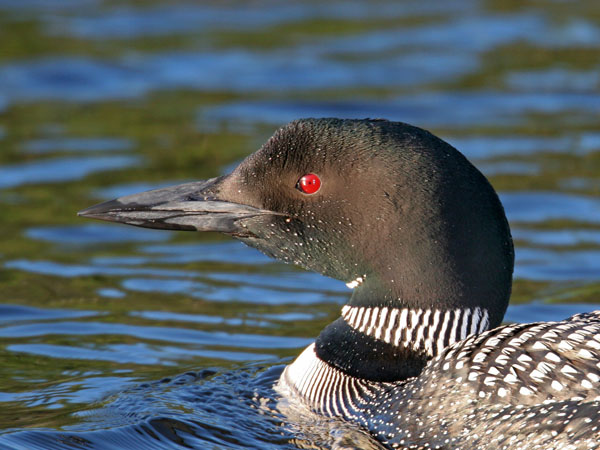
100 100
17 313
535 207
93 233
493 109
186 18
75 145
57 170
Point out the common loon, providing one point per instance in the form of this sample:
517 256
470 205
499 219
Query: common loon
418 357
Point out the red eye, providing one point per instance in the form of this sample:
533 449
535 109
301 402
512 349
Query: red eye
309 183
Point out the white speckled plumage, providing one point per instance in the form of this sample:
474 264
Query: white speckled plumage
533 386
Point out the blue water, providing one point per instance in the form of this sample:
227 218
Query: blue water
120 337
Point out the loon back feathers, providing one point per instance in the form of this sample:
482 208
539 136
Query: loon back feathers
533 386
525 364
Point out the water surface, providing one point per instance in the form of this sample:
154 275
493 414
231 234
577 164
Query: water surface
112 336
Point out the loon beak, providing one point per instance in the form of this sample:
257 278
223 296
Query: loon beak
189 207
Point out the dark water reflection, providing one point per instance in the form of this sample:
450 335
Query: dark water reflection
100 99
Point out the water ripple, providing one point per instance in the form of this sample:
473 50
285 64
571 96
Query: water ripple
128 22
536 207
235 293
543 265
566 237
89 390
95 234
72 144
229 252
58 170
134 354
156 333
88 80
76 270
546 312
430 109
18 313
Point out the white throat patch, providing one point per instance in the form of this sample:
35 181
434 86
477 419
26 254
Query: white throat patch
356 282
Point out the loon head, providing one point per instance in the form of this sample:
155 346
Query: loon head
400 215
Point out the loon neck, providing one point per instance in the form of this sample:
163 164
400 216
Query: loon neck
386 343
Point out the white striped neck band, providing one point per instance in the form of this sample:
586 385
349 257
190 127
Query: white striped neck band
429 330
